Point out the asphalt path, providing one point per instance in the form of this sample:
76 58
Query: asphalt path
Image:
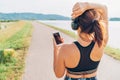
39 60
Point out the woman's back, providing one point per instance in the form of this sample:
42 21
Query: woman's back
72 54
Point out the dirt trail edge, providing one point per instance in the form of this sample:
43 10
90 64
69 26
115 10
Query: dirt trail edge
39 60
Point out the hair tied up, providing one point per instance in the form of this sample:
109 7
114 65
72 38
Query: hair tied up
94 20
98 32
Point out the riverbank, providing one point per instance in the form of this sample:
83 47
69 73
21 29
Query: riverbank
113 52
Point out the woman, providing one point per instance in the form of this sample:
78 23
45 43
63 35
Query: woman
79 60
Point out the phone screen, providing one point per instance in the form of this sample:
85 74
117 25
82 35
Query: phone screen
57 37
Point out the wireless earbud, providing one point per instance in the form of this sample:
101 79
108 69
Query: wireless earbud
74 24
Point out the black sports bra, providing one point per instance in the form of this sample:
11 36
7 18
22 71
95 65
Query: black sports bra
85 65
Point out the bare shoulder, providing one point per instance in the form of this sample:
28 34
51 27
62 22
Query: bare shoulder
67 48
71 54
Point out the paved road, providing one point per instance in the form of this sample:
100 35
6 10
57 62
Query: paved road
39 61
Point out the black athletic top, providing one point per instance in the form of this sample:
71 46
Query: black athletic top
85 65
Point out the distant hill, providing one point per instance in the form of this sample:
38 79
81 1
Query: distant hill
31 16
114 19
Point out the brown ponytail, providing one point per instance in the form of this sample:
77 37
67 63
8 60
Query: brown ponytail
88 25
98 32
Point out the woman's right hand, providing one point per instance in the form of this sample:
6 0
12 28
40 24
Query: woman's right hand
79 8
57 46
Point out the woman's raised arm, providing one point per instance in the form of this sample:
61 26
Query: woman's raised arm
103 17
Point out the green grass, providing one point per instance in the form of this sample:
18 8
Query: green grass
17 40
113 52
20 41
9 20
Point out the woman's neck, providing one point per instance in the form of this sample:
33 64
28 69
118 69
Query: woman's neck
85 37
84 42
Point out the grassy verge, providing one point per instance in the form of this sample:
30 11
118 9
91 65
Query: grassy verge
70 33
114 52
11 29
19 41
8 20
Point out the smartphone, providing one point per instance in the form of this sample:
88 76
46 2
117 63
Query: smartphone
57 37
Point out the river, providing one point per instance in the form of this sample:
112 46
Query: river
114 30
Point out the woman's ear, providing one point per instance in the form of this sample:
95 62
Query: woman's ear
78 30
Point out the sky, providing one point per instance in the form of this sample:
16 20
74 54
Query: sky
61 7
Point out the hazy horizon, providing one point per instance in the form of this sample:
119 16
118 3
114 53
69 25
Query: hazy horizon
60 7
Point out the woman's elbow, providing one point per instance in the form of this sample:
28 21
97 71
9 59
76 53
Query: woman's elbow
58 74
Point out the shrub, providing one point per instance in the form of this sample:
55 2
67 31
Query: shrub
7 55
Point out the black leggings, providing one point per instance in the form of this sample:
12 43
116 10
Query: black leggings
68 78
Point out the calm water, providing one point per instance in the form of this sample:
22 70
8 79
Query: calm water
114 30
